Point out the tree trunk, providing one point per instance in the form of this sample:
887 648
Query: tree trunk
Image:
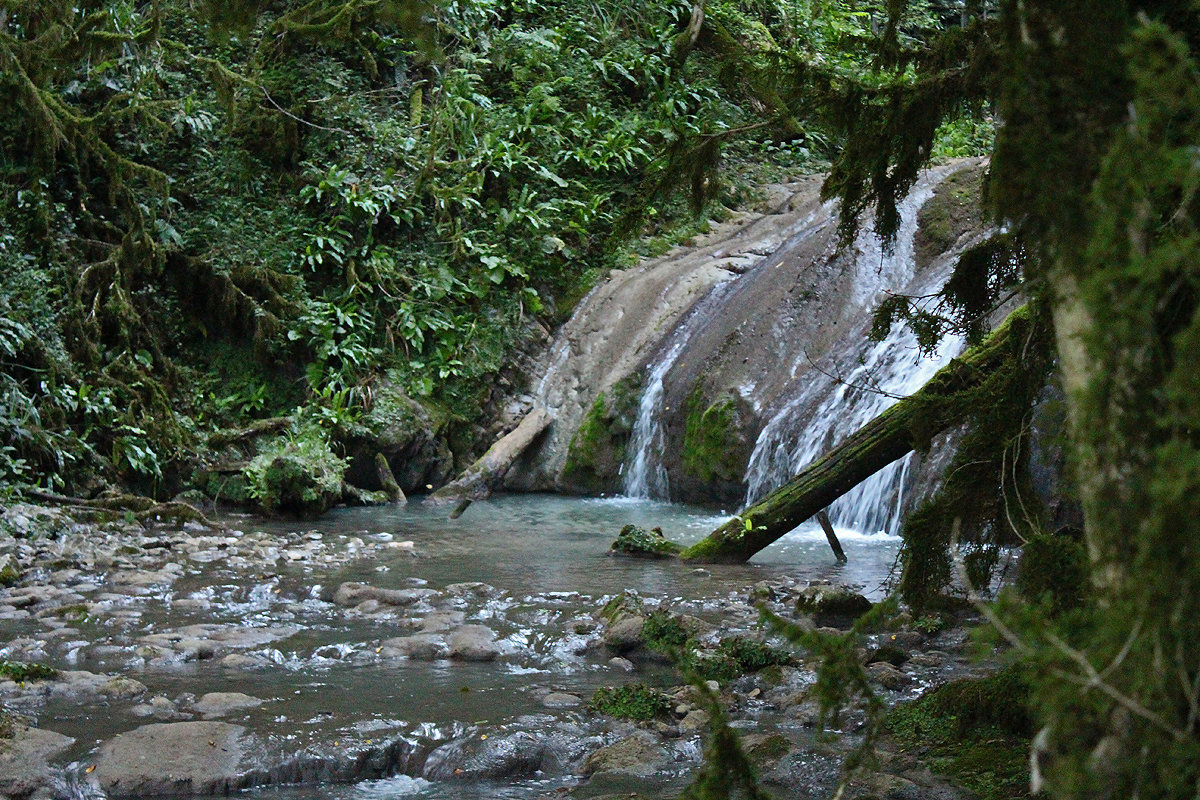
908 424
479 479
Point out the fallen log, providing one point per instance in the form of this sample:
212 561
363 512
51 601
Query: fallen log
908 424
387 480
262 427
481 478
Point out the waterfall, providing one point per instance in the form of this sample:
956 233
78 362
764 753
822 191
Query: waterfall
834 403
645 476
831 408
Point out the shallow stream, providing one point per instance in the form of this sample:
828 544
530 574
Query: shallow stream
253 611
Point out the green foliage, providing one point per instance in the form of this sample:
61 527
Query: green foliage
21 671
734 657
664 633
1054 570
987 499
635 701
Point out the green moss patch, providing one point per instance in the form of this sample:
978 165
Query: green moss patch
973 730
635 701
713 445
641 543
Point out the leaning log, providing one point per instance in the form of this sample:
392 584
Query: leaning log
908 424
481 478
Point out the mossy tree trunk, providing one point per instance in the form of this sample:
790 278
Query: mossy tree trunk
907 425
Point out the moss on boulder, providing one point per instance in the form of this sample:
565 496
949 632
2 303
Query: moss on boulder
954 210
640 543
598 448
717 443
296 475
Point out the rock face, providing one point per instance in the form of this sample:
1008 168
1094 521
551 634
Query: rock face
207 758
747 316
618 329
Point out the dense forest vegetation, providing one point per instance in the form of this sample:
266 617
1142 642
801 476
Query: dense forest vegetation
217 213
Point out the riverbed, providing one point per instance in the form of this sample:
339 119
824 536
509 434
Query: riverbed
375 641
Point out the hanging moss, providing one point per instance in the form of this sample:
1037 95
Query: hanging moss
988 495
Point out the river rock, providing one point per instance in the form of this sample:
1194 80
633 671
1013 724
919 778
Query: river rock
640 754
218 704
473 643
832 605
888 676
418 647
483 757
206 758
352 594
24 759
624 635
562 700
442 621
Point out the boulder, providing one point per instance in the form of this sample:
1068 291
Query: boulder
473 643
206 758
832 605
419 647
24 759
353 594
640 754
625 635
218 704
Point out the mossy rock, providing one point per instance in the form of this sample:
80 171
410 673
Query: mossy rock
597 450
223 487
954 209
635 701
974 730
832 605
410 435
640 543
716 446
9 574
296 475
21 671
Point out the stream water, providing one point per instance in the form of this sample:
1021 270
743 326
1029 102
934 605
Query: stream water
260 596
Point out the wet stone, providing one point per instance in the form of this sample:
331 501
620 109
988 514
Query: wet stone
24 760
473 643
562 700
218 704
418 647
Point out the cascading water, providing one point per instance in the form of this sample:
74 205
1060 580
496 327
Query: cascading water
833 406
645 476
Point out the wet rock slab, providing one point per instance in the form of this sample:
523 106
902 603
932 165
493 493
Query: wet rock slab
206 758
